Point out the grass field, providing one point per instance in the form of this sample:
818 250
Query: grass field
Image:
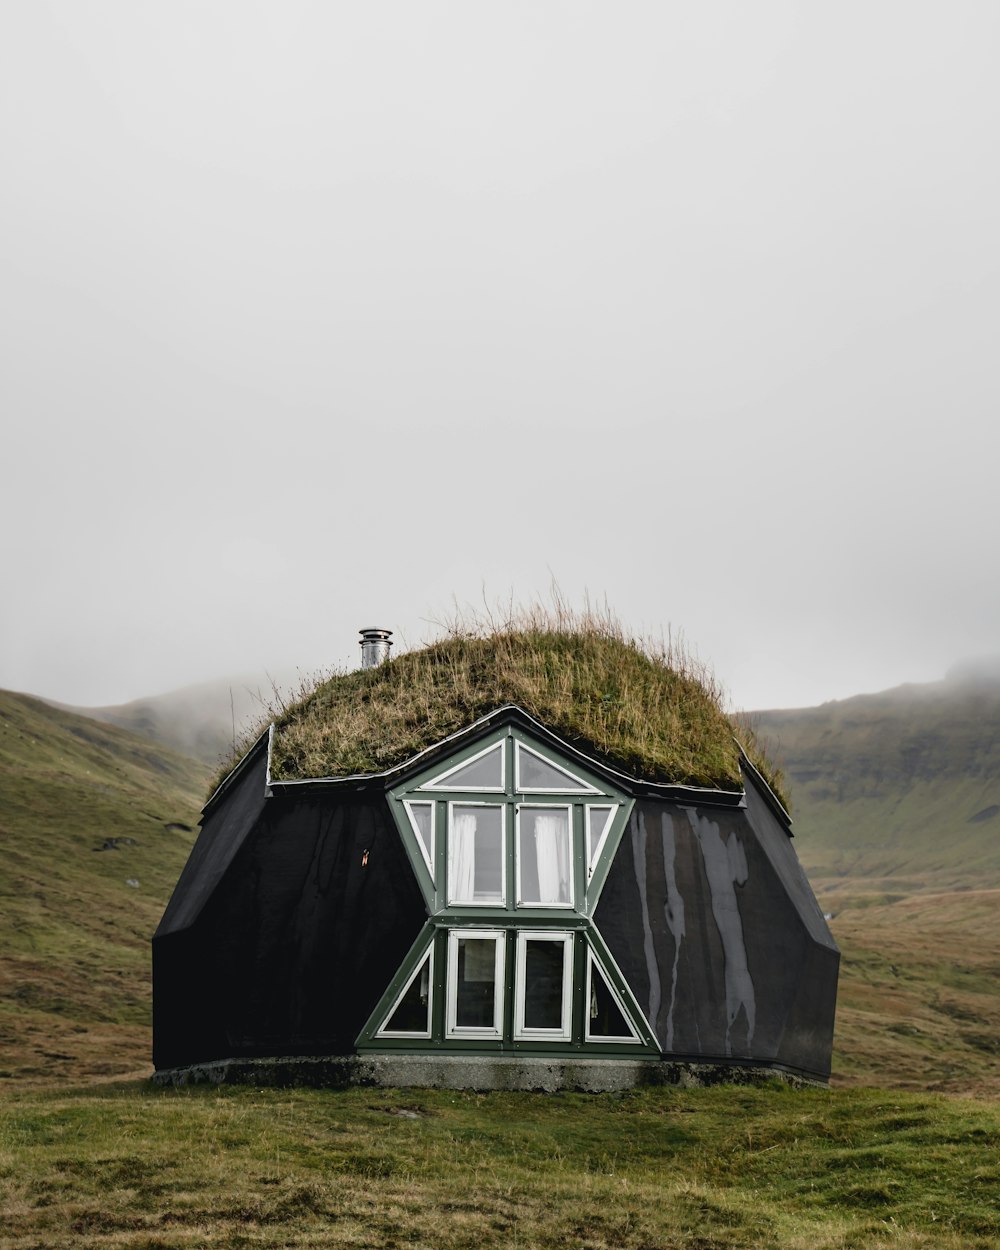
918 1005
709 1169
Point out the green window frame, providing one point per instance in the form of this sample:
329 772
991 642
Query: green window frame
426 811
511 1023
523 1028
555 845
455 1027
414 979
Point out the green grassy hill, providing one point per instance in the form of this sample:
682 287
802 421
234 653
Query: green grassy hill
899 790
95 825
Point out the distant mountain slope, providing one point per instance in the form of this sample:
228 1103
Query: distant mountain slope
901 787
200 721
95 825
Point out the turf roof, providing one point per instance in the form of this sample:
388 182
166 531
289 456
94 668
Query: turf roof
645 710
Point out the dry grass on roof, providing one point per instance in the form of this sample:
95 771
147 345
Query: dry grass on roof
647 708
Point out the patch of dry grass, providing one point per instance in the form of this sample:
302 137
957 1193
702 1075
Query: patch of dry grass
919 1002
644 705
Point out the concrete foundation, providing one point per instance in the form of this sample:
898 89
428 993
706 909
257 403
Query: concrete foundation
596 1076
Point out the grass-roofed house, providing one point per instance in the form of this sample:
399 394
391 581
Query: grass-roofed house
534 858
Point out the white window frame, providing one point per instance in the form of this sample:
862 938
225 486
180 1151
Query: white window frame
409 804
478 902
582 787
440 782
592 859
452 1028
633 1039
555 807
565 1032
386 1032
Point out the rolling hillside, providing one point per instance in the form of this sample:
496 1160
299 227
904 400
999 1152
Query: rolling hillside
897 821
896 792
95 824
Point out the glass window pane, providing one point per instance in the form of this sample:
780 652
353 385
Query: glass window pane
475 999
545 856
412 1014
606 1017
598 819
485 773
422 815
475 854
543 984
535 773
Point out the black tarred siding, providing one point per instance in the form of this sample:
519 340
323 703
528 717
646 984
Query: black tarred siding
297 940
728 958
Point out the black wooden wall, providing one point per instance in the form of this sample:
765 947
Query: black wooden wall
710 918
287 948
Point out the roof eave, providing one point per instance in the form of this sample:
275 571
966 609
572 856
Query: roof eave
765 789
244 762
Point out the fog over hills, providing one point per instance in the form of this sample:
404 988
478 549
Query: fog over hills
203 720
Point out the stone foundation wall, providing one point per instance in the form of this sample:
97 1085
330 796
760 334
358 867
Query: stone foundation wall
476 1072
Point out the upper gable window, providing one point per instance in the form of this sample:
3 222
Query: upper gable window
484 771
509 825
534 774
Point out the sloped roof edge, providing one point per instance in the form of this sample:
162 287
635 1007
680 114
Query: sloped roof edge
242 764
765 789
512 712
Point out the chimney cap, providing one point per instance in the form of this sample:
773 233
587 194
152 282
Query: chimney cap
375 645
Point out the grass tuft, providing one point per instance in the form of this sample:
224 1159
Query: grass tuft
645 705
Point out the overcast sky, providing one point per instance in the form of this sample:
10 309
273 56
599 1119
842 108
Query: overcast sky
320 315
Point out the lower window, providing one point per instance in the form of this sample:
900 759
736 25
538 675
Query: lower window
505 985
475 983
543 986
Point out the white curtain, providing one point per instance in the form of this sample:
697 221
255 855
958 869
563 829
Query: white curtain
462 851
552 855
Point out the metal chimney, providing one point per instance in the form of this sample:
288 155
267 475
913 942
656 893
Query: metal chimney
375 644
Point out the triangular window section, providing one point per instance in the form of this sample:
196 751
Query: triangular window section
598 823
536 773
484 771
422 822
606 1017
410 1015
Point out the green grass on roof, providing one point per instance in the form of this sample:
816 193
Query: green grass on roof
645 708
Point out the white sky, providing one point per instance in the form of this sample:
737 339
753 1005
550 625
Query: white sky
318 315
